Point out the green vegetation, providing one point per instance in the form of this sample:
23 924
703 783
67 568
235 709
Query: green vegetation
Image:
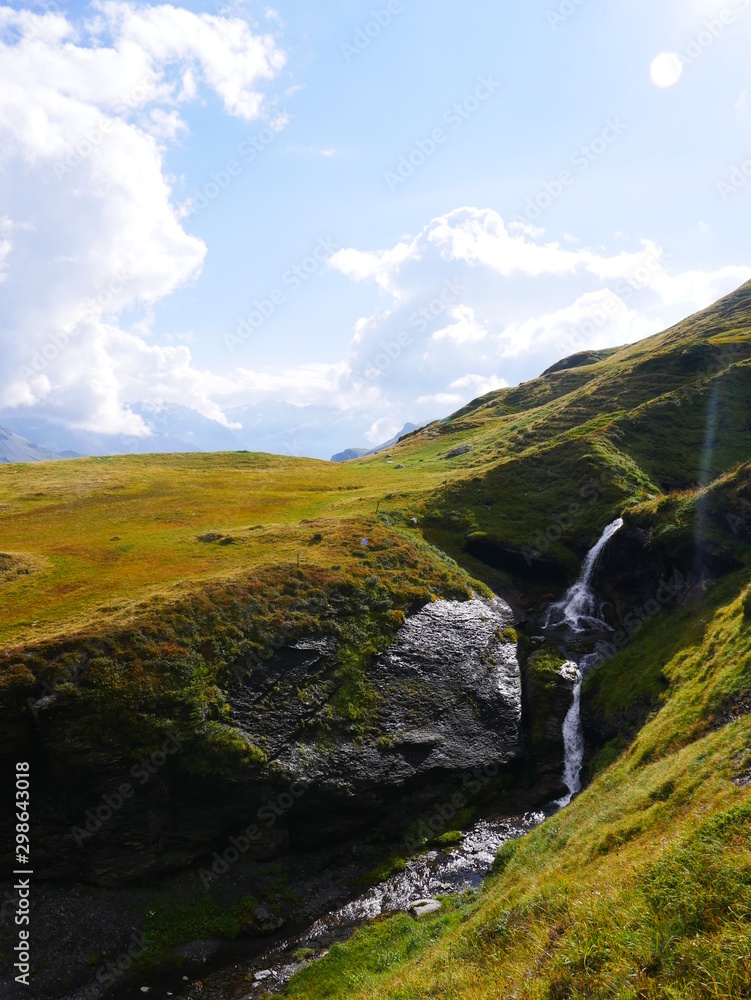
140 589
383 872
165 668
372 953
551 462
175 918
640 889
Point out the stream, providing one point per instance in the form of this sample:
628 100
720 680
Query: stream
578 614
254 972
248 971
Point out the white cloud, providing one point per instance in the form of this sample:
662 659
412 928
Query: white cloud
594 321
383 430
463 328
470 293
440 399
479 385
223 50
91 234
91 227
311 151
466 388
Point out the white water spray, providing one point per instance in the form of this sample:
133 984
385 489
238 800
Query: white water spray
579 611
573 741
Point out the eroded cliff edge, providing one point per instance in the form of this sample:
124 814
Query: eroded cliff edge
306 743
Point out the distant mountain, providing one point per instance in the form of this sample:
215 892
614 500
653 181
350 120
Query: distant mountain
277 428
66 442
350 453
17 449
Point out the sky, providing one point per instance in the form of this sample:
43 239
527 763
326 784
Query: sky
302 225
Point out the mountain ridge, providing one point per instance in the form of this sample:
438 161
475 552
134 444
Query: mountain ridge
197 587
17 449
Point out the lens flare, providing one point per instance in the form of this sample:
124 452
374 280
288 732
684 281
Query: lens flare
666 69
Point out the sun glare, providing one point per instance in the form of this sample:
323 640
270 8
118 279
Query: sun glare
666 69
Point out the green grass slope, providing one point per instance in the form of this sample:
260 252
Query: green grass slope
546 465
641 888
131 586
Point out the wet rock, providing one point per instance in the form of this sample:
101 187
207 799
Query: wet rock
446 700
264 922
549 684
449 699
198 952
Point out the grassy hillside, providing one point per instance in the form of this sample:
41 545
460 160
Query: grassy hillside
642 887
548 463
132 586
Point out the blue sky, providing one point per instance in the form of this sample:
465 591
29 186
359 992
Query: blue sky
567 191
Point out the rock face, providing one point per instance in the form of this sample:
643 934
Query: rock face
443 701
448 698
549 683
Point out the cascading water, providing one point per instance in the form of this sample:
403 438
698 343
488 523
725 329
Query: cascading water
573 744
579 608
579 612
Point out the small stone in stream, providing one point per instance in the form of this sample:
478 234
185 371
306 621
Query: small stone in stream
264 921
145 989
424 908
263 975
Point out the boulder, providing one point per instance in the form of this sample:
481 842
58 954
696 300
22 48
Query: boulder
424 908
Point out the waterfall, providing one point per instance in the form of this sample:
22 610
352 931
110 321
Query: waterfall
573 744
579 608
579 611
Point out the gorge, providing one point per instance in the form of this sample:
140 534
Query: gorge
246 706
